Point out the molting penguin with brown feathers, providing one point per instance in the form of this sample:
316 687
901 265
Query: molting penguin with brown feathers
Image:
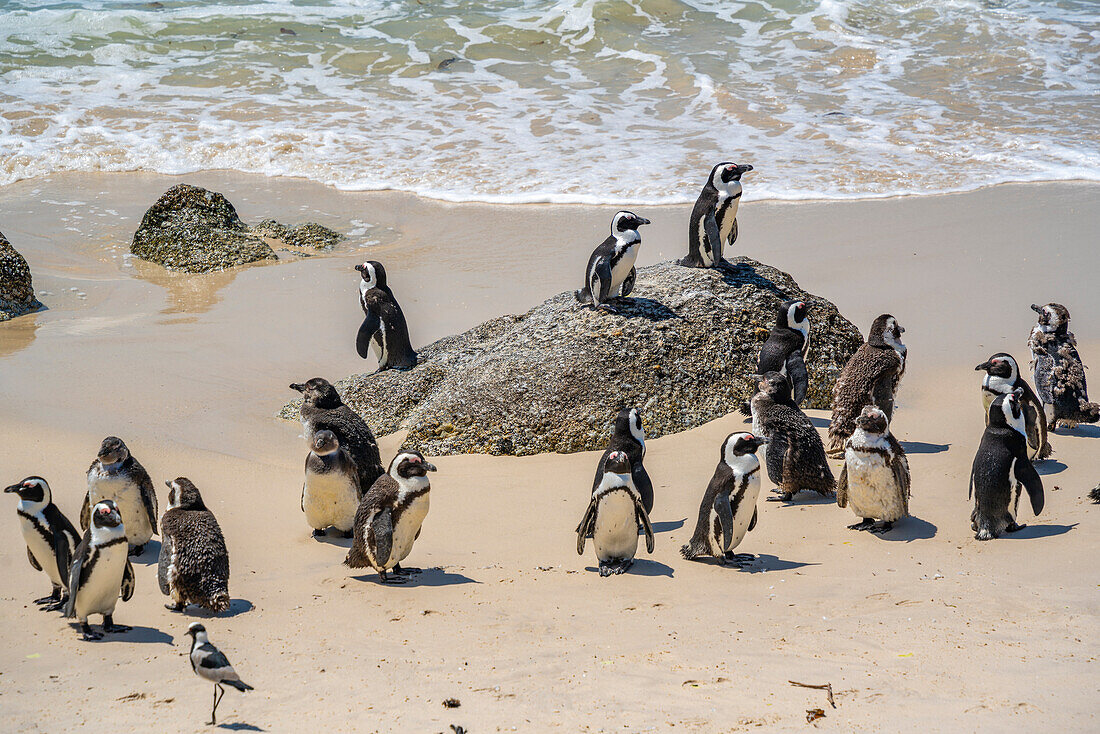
390 517
712 225
1002 376
330 492
629 437
51 539
871 377
194 563
795 456
116 475
384 329
323 410
875 478
1001 468
1058 371
610 271
101 573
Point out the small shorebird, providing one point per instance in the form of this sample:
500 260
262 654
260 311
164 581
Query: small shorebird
209 662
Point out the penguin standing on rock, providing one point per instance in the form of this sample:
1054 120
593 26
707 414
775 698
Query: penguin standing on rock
629 437
330 493
875 477
1001 467
1002 376
786 348
384 329
795 456
713 222
194 563
611 265
613 516
871 377
101 572
1058 371
728 510
322 409
116 475
50 537
390 517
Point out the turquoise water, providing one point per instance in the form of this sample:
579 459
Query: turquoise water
578 101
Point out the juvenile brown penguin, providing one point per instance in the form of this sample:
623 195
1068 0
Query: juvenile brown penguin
323 410
194 563
871 377
330 492
116 475
795 456
875 477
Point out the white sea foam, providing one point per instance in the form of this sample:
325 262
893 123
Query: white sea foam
577 101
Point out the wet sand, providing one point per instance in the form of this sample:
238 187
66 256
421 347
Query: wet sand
921 629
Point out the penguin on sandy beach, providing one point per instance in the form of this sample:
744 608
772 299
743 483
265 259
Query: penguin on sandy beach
390 517
1002 376
51 539
384 329
786 347
713 222
611 265
874 480
116 475
629 437
870 377
613 517
330 492
194 563
795 456
1001 468
322 409
728 509
1058 371
101 572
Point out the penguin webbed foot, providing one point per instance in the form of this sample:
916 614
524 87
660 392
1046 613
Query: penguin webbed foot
346 534
56 606
780 497
409 571
111 628
320 532
174 607
606 569
741 558
137 550
865 524
607 307
51 599
88 634
392 580
880 529
1013 526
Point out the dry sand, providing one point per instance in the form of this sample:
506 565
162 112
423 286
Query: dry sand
924 629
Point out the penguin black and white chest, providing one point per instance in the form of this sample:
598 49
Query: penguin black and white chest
629 437
875 478
101 572
194 562
786 347
611 266
1058 371
390 517
795 456
330 493
713 223
51 539
728 509
613 516
1002 376
870 377
116 475
1001 467
384 330
323 410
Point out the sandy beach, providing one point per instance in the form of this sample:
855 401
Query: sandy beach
924 629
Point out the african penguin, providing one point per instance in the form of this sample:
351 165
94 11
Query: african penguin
786 347
390 516
210 663
795 457
1058 371
728 510
194 563
322 409
50 537
384 329
330 492
116 475
1002 376
1000 468
713 222
871 377
612 263
101 572
629 437
875 476
613 516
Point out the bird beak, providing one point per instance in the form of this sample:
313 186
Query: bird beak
168 484
760 440
297 386
429 467
1036 309
13 488
745 168
359 268
984 366
643 220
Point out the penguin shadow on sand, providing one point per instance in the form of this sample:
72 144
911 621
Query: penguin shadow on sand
335 538
921 447
642 567
909 529
1081 430
804 497
150 555
759 563
816 422
1047 467
666 526
239 726
1032 532
138 634
436 576
236 607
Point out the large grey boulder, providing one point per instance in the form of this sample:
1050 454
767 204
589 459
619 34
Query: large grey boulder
16 289
682 349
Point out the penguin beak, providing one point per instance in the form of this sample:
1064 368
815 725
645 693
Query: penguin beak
13 488
297 386
429 467
744 169
359 268
984 366
643 220
1036 309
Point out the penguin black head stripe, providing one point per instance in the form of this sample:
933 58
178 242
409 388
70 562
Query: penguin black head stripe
31 489
740 444
1053 317
1000 365
625 221
410 464
106 515
725 172
373 273
790 313
184 495
617 463
872 420
113 451
319 393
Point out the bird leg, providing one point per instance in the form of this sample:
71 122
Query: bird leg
58 605
137 550
319 533
178 606
1012 527
607 307
217 700
883 528
606 569
89 634
51 598
110 627
866 524
395 579
405 571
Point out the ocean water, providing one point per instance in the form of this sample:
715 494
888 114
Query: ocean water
576 101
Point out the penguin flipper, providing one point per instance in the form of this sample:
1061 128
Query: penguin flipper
776 456
724 511
34 561
900 467
163 562
797 374
75 572
644 485
842 487
1036 425
61 553
752 522
380 536
1033 483
585 527
714 237
600 283
148 495
85 513
628 282
367 330
129 581
641 515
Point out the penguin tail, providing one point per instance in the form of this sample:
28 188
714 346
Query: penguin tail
1090 412
1094 494
219 602
692 549
745 409
240 685
1046 451
582 296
